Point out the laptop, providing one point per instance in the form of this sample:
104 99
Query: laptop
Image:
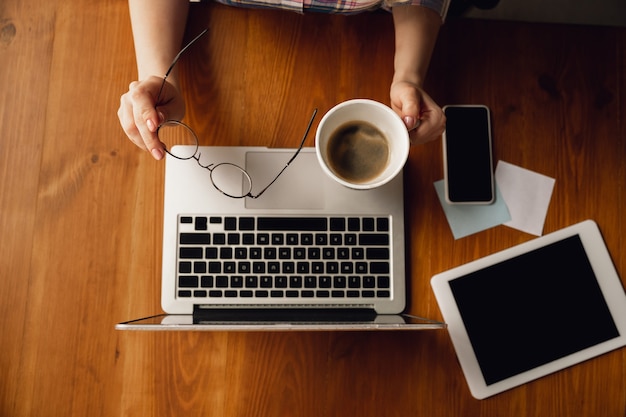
308 254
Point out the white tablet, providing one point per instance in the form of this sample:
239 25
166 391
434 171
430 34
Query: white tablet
533 309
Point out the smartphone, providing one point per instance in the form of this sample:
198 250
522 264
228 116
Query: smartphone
468 166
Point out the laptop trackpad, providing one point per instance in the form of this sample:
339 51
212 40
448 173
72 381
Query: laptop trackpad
299 187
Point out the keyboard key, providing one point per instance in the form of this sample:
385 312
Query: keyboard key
215 267
252 281
236 281
336 239
200 293
278 239
339 281
184 267
230 223
195 238
280 281
289 224
368 224
241 253
206 281
292 239
187 281
284 253
263 239
246 223
354 224
373 239
190 253
310 281
384 281
379 267
303 268
337 224
295 281
314 253
354 281
221 281
382 224
325 281
244 267
219 239
199 267
321 239
201 223
288 268
377 253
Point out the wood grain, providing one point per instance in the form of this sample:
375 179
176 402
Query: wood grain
81 208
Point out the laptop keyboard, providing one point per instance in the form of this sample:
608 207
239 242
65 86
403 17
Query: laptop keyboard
326 257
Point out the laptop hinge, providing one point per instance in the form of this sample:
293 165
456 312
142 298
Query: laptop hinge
203 314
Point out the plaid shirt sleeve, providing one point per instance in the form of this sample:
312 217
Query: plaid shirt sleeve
338 6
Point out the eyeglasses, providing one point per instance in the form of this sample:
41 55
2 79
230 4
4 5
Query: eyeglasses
224 175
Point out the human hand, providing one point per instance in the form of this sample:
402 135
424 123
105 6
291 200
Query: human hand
422 116
140 115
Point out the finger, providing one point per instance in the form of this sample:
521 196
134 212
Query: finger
433 123
146 120
410 110
127 121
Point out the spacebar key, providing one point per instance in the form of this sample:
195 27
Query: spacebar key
308 224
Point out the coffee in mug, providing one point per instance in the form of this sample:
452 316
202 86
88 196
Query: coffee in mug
361 144
358 151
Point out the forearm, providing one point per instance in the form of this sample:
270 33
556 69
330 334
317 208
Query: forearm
158 28
416 30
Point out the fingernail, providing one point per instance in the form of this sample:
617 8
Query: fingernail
150 125
161 117
157 154
409 122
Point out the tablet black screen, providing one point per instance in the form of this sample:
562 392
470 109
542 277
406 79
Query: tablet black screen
533 309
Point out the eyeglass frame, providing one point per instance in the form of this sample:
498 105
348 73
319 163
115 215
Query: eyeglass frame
196 155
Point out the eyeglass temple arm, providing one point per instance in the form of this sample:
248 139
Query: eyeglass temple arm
306 133
176 58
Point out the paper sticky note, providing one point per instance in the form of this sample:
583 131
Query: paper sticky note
467 219
527 195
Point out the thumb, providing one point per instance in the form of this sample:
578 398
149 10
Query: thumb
410 111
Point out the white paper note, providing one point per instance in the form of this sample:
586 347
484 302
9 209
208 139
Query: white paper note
527 195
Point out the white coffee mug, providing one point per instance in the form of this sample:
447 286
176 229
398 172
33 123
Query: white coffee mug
367 112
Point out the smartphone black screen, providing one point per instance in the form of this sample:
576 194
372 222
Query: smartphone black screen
467 141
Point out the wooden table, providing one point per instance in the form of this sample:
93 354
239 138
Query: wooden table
81 209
